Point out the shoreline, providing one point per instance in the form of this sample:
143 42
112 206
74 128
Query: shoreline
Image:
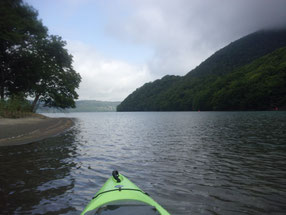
31 129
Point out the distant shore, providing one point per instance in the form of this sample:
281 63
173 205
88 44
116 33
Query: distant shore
31 129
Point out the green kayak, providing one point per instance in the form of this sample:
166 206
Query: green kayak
120 196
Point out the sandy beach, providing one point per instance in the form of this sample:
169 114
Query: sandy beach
31 129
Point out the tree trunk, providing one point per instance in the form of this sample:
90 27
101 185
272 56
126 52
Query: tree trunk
34 104
2 86
2 92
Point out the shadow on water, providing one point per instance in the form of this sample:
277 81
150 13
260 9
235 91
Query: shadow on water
38 174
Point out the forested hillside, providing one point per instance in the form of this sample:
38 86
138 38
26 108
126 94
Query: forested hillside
248 74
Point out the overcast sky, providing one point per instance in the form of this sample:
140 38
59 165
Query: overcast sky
118 45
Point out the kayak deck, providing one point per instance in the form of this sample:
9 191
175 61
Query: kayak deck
120 196
124 208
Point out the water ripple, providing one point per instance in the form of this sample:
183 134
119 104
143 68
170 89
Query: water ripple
192 163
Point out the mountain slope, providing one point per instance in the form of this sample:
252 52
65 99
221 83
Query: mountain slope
241 52
196 89
260 85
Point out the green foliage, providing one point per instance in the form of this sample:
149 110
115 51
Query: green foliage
260 85
248 74
56 80
148 96
34 63
18 23
15 107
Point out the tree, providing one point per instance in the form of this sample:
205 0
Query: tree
34 63
18 23
44 71
57 79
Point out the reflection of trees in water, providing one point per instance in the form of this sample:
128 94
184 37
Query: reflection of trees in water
38 174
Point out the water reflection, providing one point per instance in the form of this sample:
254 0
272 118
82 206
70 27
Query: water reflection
191 163
38 174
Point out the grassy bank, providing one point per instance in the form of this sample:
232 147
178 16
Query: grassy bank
15 107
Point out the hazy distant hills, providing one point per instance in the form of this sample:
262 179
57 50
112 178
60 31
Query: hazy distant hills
84 106
248 74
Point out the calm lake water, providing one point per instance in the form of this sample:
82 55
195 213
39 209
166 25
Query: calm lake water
189 162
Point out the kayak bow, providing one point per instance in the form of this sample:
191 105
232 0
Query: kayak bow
120 196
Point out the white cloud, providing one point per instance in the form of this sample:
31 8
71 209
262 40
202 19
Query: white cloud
105 79
179 33
185 32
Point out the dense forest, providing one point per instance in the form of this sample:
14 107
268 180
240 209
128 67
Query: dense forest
248 74
33 63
